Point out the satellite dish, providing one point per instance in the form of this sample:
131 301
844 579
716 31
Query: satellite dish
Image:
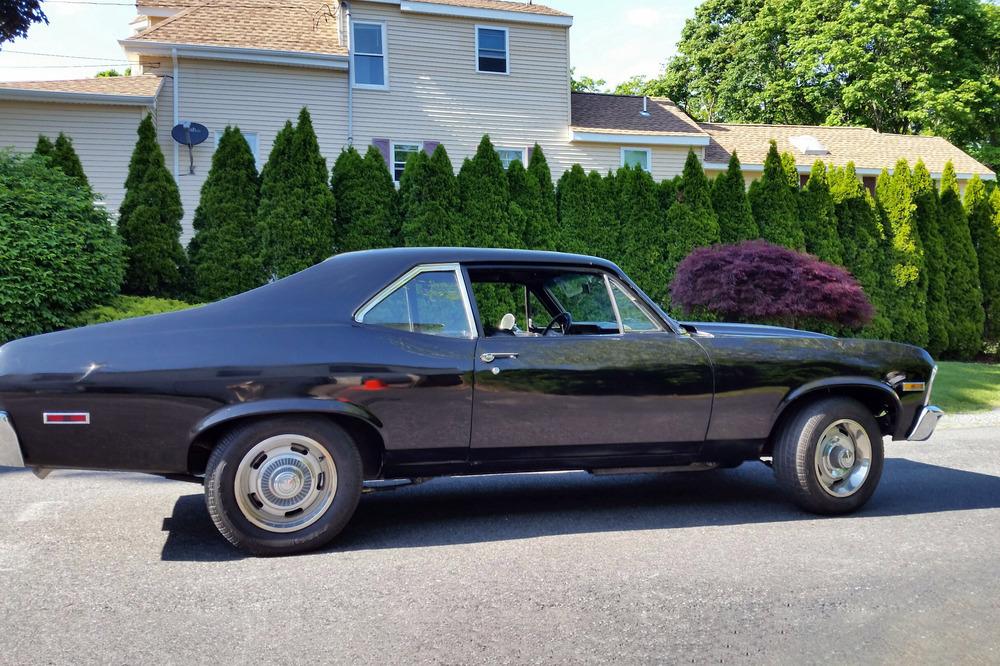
189 134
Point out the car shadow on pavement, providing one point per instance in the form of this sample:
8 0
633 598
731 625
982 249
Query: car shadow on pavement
480 509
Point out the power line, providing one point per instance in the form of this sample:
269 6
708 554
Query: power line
95 65
61 55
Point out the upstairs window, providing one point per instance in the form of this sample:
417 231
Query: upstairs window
400 153
636 157
369 67
509 155
491 50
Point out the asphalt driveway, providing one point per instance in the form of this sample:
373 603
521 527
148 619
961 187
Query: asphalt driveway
553 568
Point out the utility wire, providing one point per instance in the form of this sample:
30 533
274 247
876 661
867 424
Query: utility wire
95 65
62 55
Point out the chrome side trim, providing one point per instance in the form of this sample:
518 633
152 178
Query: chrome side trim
10 447
923 426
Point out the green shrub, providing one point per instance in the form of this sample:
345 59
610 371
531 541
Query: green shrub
126 307
643 233
965 296
983 224
729 200
149 221
690 221
542 231
906 288
819 219
225 249
367 209
44 147
791 170
927 216
484 200
774 204
65 157
59 253
525 200
428 193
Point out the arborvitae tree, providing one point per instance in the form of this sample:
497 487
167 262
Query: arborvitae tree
691 221
860 233
149 221
729 200
543 230
525 199
44 146
485 200
927 218
791 170
983 209
579 212
605 239
224 252
64 157
774 205
965 297
667 192
906 288
295 217
367 212
819 221
429 200
643 232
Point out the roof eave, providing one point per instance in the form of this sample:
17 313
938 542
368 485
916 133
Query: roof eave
619 138
28 95
236 54
433 8
986 174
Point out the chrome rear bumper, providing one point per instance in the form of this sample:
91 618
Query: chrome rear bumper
924 424
10 447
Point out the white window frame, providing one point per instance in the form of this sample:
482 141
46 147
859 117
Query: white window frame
523 158
384 55
254 147
392 155
649 156
506 48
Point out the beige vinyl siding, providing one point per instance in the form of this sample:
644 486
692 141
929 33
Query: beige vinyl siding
103 137
257 98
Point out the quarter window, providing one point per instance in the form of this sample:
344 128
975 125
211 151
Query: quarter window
633 314
636 157
431 302
491 50
369 66
509 155
400 153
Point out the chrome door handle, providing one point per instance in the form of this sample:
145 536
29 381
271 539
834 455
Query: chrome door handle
489 357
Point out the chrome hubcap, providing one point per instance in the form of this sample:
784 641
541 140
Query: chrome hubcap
843 458
286 483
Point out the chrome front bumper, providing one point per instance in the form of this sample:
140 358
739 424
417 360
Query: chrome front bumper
10 447
924 424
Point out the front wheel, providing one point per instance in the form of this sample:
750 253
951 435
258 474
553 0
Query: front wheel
828 456
284 485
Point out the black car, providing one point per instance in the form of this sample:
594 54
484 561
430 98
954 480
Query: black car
402 364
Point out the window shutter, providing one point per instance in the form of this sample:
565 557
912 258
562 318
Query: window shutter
430 146
383 147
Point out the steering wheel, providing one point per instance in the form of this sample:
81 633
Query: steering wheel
563 318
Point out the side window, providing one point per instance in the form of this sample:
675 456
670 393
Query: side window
633 313
491 50
431 302
585 297
369 66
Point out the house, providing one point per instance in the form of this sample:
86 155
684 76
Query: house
402 75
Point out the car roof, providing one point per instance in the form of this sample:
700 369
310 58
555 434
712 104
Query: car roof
412 256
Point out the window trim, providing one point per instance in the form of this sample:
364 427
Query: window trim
384 56
392 155
523 151
649 156
506 48
455 269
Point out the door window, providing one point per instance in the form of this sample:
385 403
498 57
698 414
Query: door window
585 297
430 302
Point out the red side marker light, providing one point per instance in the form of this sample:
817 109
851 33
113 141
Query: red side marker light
63 418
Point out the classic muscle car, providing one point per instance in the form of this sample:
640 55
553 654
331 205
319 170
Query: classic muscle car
397 364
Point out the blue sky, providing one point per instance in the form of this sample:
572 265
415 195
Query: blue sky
609 41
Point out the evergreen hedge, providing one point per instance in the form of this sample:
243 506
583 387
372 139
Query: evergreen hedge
225 249
643 237
927 216
690 221
986 240
542 231
149 221
525 200
484 200
44 147
906 288
774 205
429 201
965 297
819 218
578 212
729 200
65 157
367 209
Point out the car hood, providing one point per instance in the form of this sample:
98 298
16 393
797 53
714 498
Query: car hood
724 329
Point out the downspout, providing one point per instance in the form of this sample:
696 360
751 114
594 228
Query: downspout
177 112
350 75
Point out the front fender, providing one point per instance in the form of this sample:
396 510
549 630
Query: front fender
282 406
833 384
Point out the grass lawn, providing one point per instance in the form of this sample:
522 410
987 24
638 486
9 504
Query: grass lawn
966 387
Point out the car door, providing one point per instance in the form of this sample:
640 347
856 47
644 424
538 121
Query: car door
638 387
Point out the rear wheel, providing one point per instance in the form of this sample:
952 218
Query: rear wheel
828 456
283 486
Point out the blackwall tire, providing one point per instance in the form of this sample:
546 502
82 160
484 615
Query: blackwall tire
283 486
828 456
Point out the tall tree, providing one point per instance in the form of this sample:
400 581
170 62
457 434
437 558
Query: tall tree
928 222
485 199
791 170
296 212
643 235
584 226
525 198
224 251
906 288
542 231
819 219
986 240
729 200
429 201
149 221
367 211
65 157
774 204
861 235
44 147
691 221
16 16
965 296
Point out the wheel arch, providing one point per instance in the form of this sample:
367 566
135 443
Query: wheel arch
363 427
883 403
